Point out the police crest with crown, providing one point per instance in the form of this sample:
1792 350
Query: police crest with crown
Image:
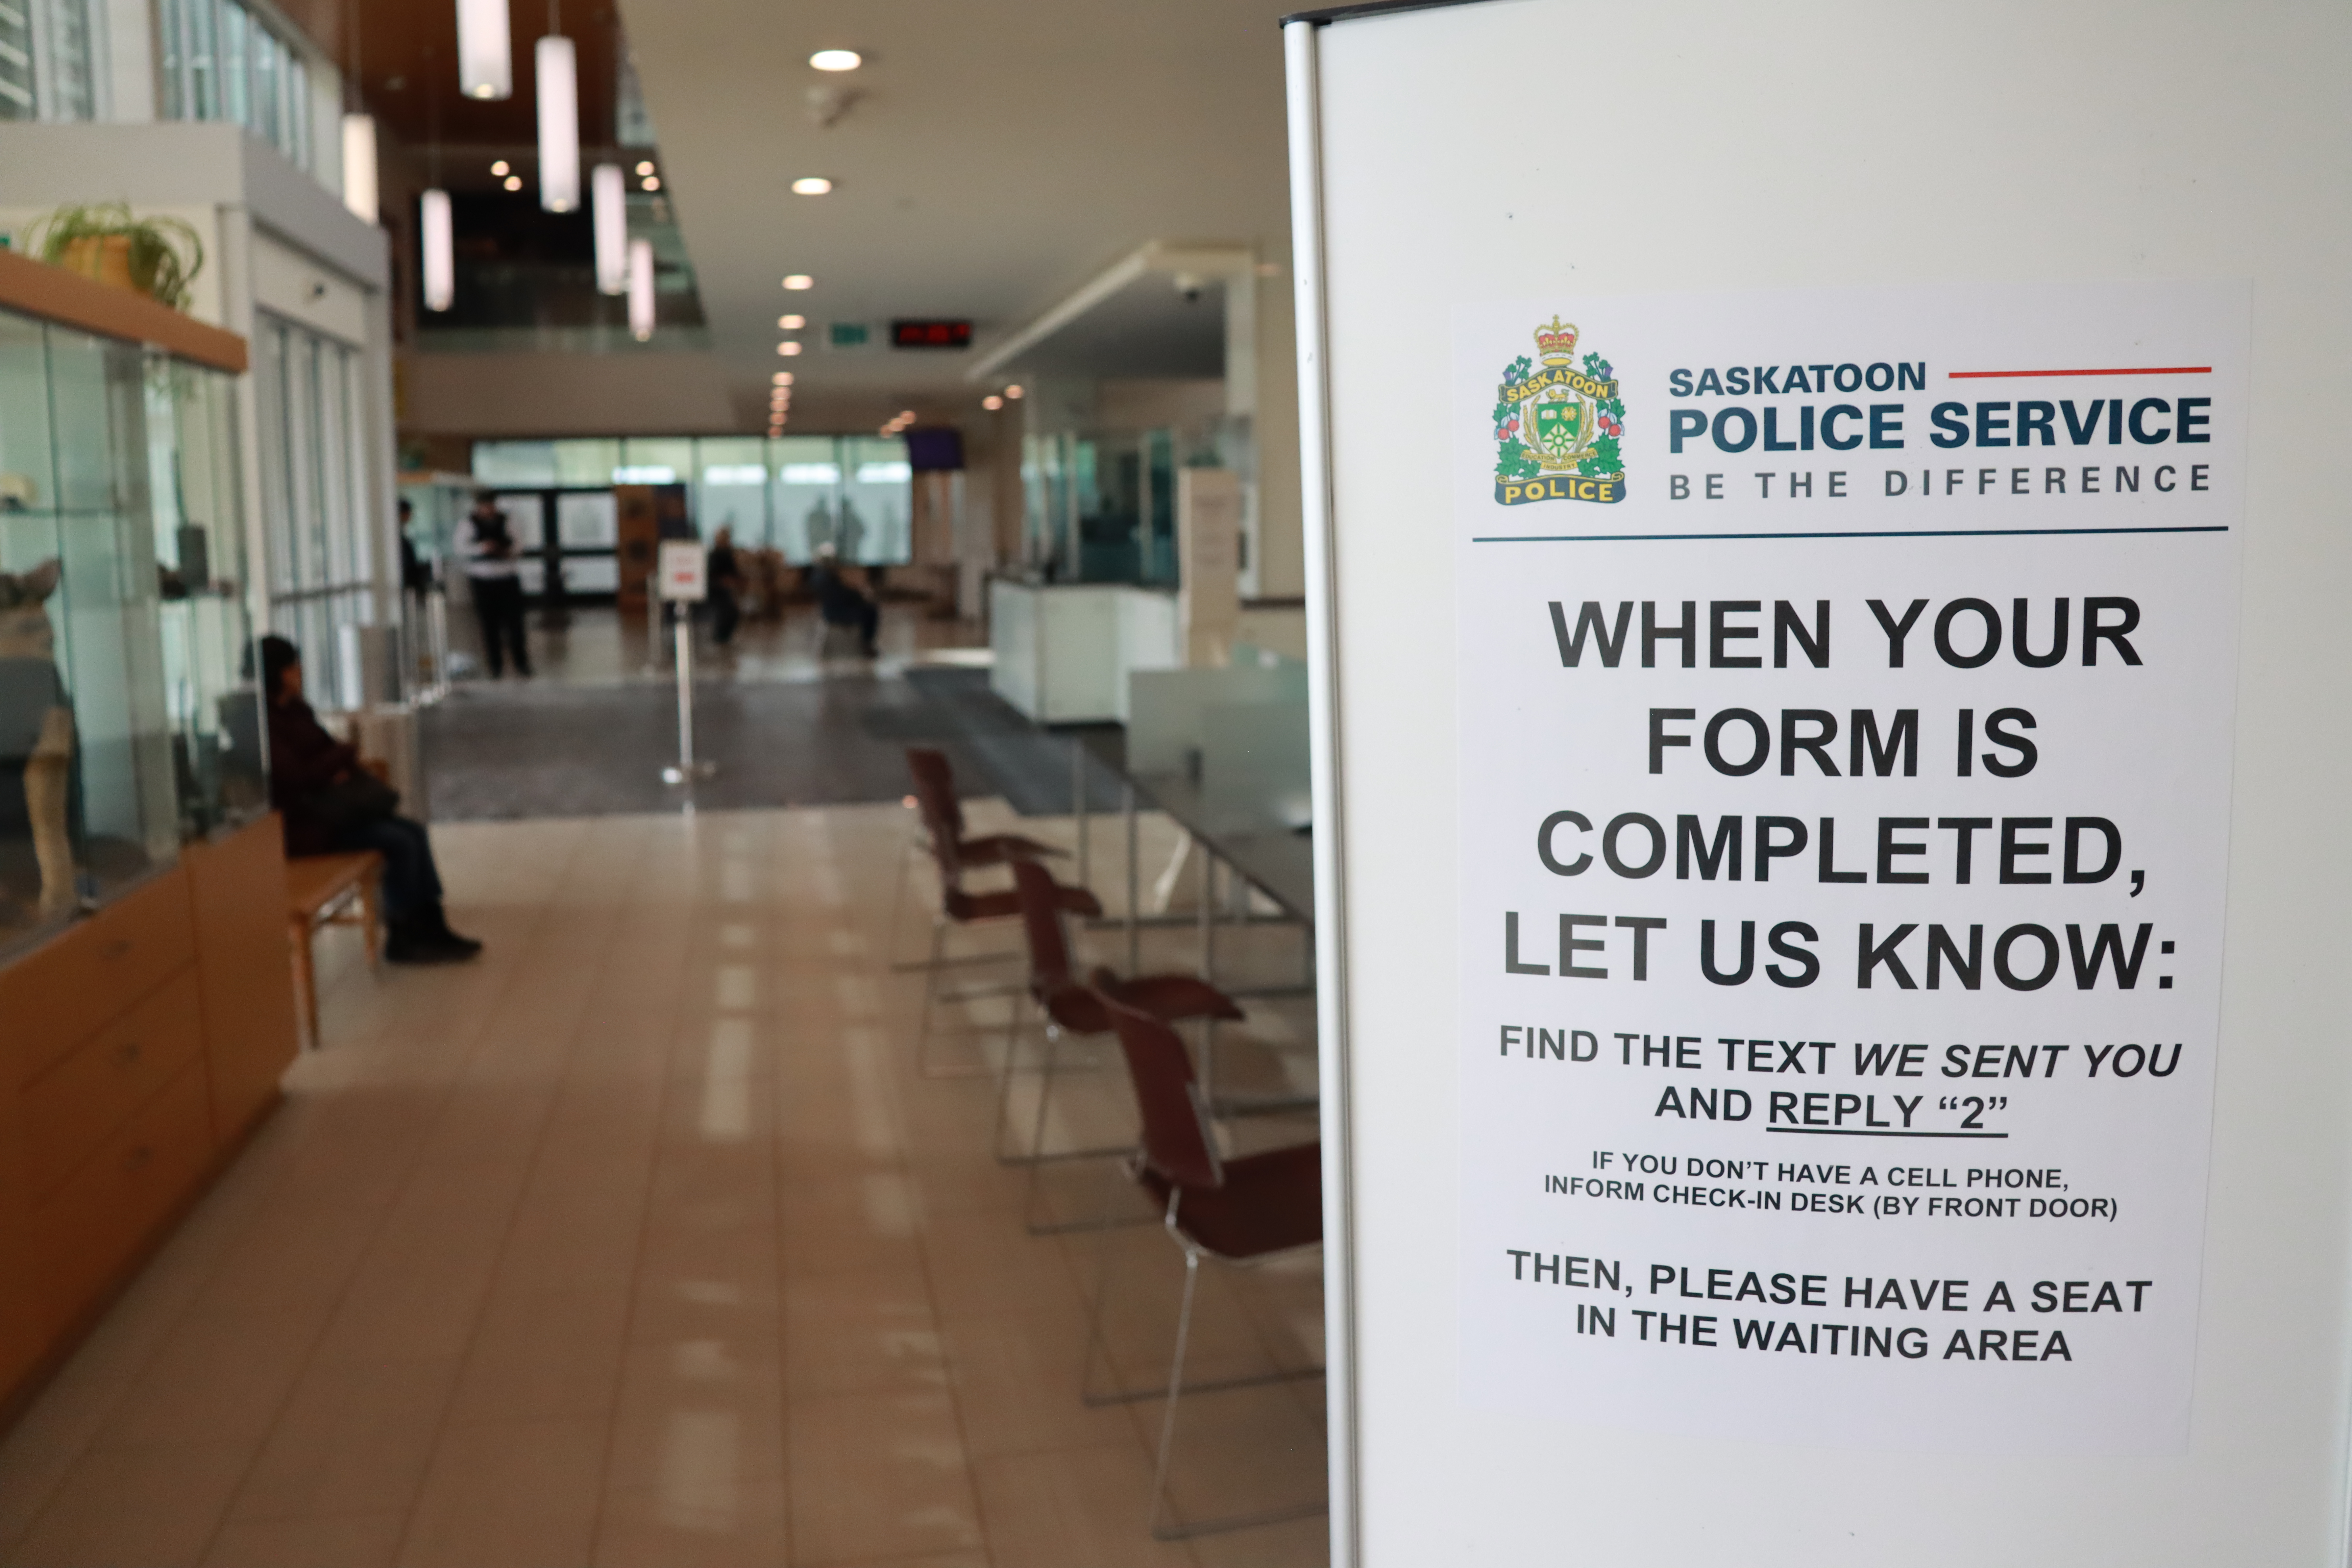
1557 429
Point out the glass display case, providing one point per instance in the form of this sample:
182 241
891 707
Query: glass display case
127 720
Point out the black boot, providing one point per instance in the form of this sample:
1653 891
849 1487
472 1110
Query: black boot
419 940
438 922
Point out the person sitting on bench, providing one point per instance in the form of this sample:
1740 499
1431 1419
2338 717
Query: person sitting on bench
333 805
838 603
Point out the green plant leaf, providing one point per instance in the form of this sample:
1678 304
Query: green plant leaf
1512 461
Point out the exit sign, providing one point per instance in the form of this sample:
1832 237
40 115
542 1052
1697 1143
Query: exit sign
931 334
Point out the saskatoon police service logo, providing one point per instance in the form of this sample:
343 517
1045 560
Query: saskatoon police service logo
1556 429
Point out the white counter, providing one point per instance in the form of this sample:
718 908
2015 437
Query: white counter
1063 651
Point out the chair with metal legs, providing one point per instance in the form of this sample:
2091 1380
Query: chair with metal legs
939 813
960 908
1070 1008
1243 1212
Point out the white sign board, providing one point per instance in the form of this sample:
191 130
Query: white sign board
1843 855
1887 1204
683 569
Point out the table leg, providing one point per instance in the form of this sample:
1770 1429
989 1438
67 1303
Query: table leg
306 980
1134 931
1208 912
1079 806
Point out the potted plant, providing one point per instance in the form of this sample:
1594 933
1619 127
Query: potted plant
157 257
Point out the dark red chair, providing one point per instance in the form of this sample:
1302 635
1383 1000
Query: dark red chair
953 853
1070 1006
940 819
1242 1211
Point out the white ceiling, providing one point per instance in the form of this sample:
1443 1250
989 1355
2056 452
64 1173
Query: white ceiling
998 157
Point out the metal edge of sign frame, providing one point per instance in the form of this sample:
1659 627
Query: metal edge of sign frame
1326 16
1306 132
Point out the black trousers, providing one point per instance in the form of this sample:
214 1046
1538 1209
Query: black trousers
498 604
725 615
411 883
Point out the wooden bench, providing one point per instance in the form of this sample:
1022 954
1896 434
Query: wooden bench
321 889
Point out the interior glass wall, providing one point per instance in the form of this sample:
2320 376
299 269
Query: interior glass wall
791 493
121 631
313 490
220 61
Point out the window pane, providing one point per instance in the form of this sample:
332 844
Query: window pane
267 54
170 18
235 41
805 496
730 487
518 463
586 461
297 144
204 61
876 501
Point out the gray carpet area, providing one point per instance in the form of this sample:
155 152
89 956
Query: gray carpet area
511 751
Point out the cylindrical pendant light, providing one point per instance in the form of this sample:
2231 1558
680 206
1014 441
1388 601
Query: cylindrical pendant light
485 50
559 125
359 166
439 263
608 209
641 289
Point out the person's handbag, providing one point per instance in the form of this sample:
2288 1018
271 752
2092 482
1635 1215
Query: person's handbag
352 803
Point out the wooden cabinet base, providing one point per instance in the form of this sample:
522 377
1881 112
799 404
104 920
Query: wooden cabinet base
144 1046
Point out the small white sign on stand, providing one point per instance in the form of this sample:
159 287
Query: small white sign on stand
685 582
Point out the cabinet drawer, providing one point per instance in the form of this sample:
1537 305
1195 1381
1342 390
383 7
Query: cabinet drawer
90 974
89 1228
71 1108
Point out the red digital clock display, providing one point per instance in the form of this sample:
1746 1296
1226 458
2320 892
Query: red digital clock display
931 334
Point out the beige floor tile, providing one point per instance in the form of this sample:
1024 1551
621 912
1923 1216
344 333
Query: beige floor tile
348 1541
1298 1543
219 1378
354 1438
859 1224
1016 1379
1075 1507
644 1240
698 1400
1241 1453
850 1334
154 1507
545 1353
697 1524
520 1494
875 1475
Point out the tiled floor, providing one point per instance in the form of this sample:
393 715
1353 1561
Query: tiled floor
644 1241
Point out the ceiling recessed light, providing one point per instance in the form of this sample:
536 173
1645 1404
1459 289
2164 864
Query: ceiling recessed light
783 378
500 167
1012 392
800 280
514 182
836 59
652 183
812 186
792 323
991 403
645 167
788 350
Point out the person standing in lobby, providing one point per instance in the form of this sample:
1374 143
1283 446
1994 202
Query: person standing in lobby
486 546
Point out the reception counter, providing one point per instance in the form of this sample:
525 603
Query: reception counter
1063 651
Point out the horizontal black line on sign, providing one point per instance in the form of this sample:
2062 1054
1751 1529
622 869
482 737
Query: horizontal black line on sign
2039 375
1825 533
1868 1132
